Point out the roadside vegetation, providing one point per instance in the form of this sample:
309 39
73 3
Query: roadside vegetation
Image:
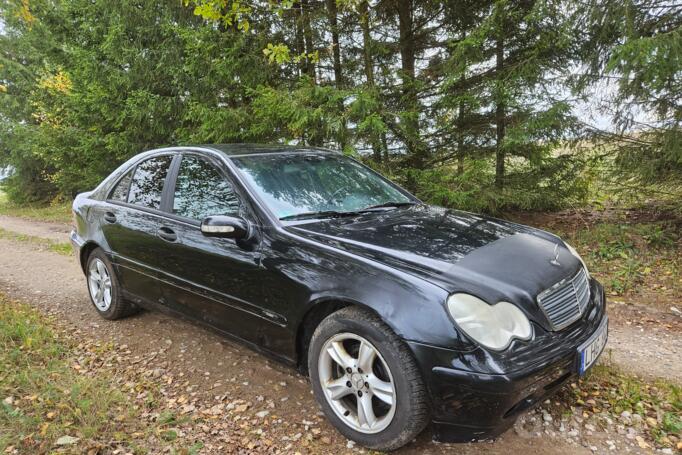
61 393
56 211
476 105
48 399
650 414
634 257
635 252
56 247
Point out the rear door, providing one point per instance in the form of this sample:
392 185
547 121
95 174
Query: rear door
131 223
215 280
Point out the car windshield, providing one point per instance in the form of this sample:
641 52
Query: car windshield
300 184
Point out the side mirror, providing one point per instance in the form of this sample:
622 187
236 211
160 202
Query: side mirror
228 227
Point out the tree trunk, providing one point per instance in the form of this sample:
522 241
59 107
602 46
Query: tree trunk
410 119
407 45
460 138
366 43
300 43
460 123
500 115
384 145
332 14
308 37
368 64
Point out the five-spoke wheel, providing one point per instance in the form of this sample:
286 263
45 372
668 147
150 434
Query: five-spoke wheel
99 284
367 380
357 382
104 289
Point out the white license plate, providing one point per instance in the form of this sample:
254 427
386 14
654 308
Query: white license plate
589 352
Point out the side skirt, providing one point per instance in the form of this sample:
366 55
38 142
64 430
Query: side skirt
154 306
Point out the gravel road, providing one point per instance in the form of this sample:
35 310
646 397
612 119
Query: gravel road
213 366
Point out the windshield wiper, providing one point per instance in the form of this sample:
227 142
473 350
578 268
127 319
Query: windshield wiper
317 214
387 204
337 213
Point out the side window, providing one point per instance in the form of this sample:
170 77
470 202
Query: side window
148 180
201 190
120 191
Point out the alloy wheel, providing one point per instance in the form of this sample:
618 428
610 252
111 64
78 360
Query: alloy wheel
99 284
357 383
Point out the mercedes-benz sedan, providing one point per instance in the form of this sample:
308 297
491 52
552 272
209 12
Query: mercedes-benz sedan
403 314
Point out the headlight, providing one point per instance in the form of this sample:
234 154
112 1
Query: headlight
493 326
575 253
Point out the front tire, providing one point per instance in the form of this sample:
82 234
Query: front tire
366 380
104 289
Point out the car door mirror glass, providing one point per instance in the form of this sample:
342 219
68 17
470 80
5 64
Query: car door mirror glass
229 227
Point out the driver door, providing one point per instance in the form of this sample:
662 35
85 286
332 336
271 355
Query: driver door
214 280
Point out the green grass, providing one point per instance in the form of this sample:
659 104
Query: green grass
62 248
57 212
606 389
44 396
60 393
631 256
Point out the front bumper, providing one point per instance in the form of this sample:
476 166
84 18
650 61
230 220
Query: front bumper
477 395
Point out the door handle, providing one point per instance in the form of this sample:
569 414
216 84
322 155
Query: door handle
167 234
109 217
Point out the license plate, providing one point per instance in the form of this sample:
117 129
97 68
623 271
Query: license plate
589 352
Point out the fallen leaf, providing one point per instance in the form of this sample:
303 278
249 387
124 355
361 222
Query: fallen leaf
641 442
66 440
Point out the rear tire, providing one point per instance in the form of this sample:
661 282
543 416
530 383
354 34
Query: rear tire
383 406
104 288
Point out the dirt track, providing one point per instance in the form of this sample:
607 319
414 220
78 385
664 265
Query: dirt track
212 366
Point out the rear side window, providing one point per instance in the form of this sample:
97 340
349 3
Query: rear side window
147 184
202 190
120 192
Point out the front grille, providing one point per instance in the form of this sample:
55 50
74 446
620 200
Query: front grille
566 301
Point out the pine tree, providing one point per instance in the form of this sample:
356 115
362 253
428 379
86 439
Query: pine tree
506 61
636 47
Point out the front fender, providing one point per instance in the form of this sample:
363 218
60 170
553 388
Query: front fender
313 274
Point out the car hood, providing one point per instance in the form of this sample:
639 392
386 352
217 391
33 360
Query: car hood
458 251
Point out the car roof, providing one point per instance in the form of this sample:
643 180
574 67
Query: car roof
232 150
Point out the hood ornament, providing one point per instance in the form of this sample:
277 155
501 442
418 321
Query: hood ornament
555 260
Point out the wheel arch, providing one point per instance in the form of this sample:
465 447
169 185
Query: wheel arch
85 252
316 313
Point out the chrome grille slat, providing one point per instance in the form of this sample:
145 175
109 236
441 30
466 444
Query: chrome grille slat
560 291
565 320
559 298
582 290
564 313
557 306
566 301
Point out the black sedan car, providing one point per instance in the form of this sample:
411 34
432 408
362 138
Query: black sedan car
403 314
